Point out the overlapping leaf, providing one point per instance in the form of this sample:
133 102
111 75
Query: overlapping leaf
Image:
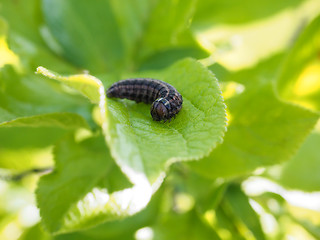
133 137
194 133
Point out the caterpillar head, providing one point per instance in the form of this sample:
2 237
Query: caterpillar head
160 109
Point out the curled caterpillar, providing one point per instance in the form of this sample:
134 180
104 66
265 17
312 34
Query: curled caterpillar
166 100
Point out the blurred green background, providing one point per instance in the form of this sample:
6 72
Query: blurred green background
262 182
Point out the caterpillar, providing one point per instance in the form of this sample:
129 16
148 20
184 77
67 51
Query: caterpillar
166 100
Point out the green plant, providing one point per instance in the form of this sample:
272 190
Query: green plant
116 174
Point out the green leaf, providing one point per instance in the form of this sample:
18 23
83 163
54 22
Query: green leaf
262 131
27 36
311 228
224 221
148 147
86 84
35 233
165 58
23 18
194 133
25 95
265 71
183 226
36 112
27 137
125 36
6 115
239 204
132 17
22 138
163 33
166 37
87 33
301 172
115 229
299 78
209 13
17 159
79 168
207 193
60 120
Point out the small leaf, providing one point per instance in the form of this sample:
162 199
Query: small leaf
239 204
225 221
86 84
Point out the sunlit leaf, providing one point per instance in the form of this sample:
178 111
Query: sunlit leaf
299 80
148 147
86 84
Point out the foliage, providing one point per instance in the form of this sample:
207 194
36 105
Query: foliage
119 175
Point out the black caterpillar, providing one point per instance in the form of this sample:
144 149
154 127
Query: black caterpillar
166 100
